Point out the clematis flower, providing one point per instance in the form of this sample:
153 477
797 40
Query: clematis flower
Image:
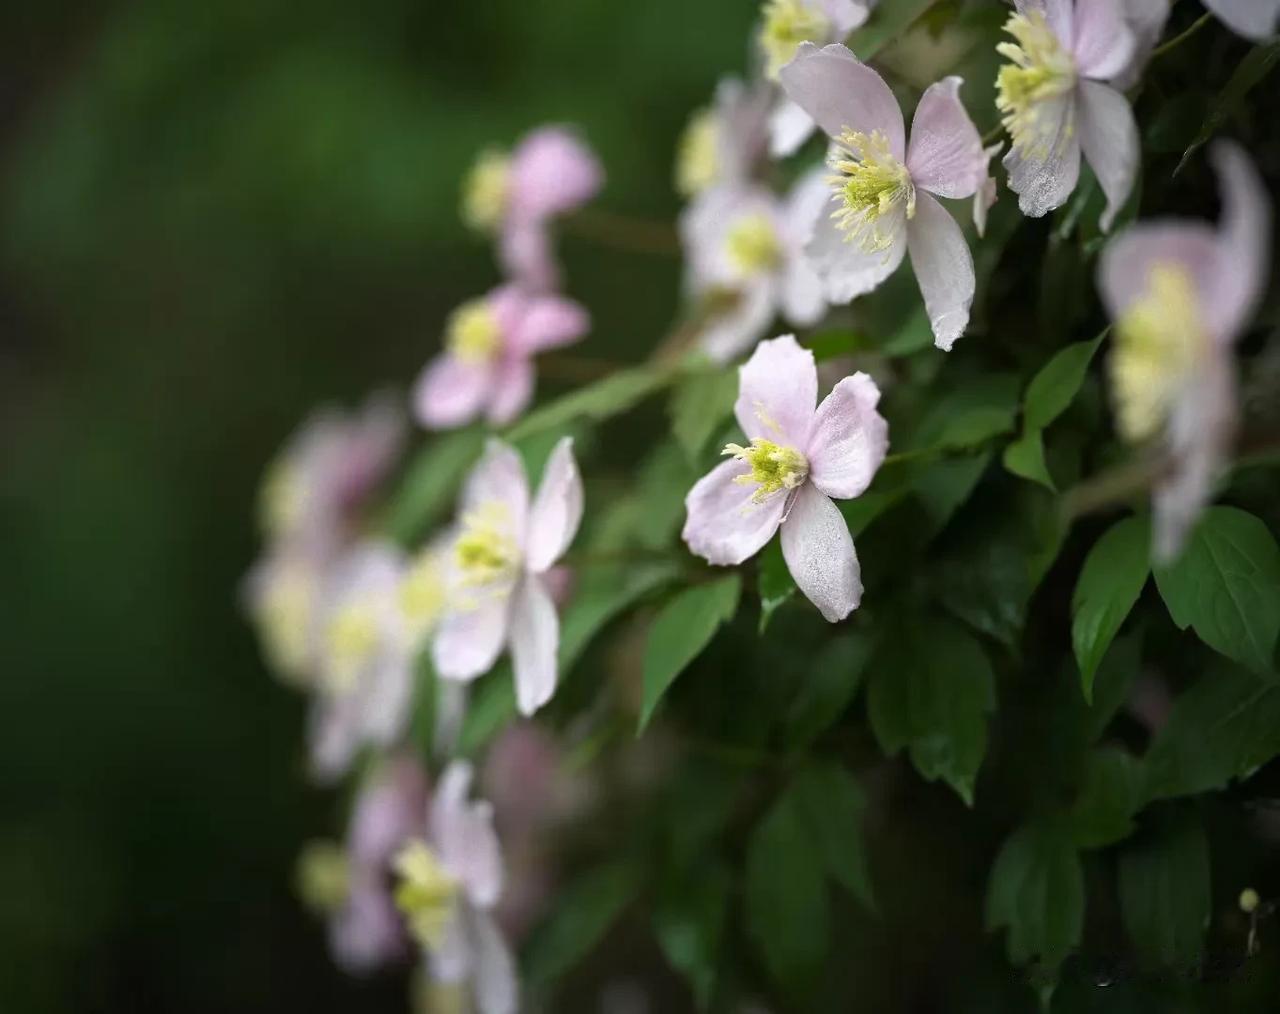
486 367
515 196
882 188
721 145
504 548
746 251
281 595
798 459
1180 292
784 25
1056 105
449 882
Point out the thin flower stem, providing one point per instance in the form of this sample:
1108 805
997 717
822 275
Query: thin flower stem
576 369
624 233
1177 40
994 134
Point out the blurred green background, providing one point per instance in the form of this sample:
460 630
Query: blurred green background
212 218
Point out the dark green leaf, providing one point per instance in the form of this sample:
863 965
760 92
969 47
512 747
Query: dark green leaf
832 344
599 401
1053 388
828 690
491 706
776 584
1110 795
1036 891
683 628
1025 459
583 916
983 408
701 402
1110 582
833 805
1163 882
944 485
1249 72
688 922
431 484
886 24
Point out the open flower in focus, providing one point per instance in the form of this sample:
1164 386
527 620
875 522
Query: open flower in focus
881 189
721 144
504 546
514 196
449 882
1179 293
798 458
1055 105
746 253
486 368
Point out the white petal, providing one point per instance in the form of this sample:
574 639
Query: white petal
499 478
557 509
841 93
944 268
945 155
463 837
1104 43
1254 19
789 128
1056 12
493 968
848 271
777 392
535 642
846 15
1109 137
850 438
469 640
1044 179
735 330
1244 240
819 553
723 526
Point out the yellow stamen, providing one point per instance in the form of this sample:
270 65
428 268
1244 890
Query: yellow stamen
486 550
473 334
786 24
284 619
486 190
774 467
1041 70
871 185
426 893
322 877
1158 342
752 244
422 593
698 154
351 637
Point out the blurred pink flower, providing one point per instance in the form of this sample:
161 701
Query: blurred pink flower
486 367
722 144
882 204
504 547
1180 292
798 459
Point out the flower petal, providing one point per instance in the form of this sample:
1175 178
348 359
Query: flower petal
1104 44
1124 269
848 271
1057 12
777 392
1043 180
1109 137
462 835
850 438
498 477
557 509
789 128
512 391
944 268
723 526
449 392
986 193
945 155
548 322
552 172
1244 240
493 968
535 641
524 248
841 93
1254 19
469 641
819 552
738 327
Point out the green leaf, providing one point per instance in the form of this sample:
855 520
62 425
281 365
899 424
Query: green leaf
912 335
973 414
583 916
1226 586
833 805
1036 892
1025 459
931 690
491 706
1163 883
887 23
1226 726
683 628
1110 582
1250 72
776 585
599 401
945 485
688 922
431 484
828 689
1111 793
832 344
1056 385
786 907
701 402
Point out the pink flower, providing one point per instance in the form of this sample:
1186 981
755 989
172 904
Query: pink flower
504 547
882 204
746 248
1180 293
798 459
516 196
721 145
486 367
1055 104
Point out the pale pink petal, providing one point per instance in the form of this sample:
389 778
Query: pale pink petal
1057 12
1109 138
367 931
552 172
469 640
452 959
819 552
493 968
1254 19
388 697
535 640
777 392
1244 240
512 391
801 291
802 294
548 322
333 735
742 120
944 269
846 269
846 15
498 477
789 128
449 392
841 93
1043 180
1124 269
524 248
945 155
1146 19
1104 43
738 327
850 438
556 511
986 193
387 813
462 836
723 526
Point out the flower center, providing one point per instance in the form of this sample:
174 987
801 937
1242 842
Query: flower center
871 185
698 154
752 244
1040 70
351 637
786 24
1159 339
486 551
422 593
323 876
486 190
473 334
426 893
774 467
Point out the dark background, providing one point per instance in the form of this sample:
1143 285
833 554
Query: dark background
213 217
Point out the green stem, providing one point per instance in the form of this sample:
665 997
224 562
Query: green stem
622 232
1177 40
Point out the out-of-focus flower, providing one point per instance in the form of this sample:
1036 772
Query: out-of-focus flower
1253 19
449 882
784 25
486 367
1055 104
746 252
282 596
515 196
797 460
722 144
1180 292
504 546
882 204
